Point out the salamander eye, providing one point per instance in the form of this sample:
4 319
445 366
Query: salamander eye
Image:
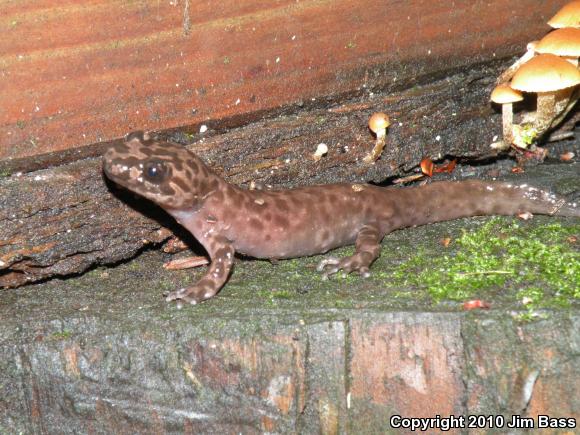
154 172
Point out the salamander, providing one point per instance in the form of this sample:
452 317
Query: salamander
278 224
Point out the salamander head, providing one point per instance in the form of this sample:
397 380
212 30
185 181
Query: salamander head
166 173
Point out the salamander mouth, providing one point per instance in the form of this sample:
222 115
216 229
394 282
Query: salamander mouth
107 168
117 172
111 169
121 168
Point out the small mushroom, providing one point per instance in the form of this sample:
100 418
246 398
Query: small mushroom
506 96
378 123
568 16
545 74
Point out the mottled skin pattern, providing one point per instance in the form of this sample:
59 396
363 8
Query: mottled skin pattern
292 223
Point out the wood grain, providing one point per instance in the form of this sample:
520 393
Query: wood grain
75 73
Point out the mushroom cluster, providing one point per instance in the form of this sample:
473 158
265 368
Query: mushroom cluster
549 69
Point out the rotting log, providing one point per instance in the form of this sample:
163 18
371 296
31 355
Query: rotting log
64 220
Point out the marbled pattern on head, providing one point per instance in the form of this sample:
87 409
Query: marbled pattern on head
166 173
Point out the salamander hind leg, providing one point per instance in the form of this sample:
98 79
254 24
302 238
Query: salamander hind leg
367 250
222 260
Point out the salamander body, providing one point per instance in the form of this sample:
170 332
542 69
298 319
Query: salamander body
272 224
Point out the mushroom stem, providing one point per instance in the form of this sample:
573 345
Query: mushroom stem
564 106
507 117
563 98
545 111
378 148
506 76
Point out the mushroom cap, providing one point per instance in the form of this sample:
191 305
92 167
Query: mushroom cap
532 45
379 121
568 16
562 42
545 73
504 94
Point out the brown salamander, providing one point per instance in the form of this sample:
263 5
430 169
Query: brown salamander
272 224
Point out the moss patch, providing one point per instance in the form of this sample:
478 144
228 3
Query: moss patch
537 265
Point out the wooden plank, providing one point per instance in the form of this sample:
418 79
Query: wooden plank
75 73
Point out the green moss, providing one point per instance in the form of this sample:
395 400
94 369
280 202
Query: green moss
529 134
63 335
282 294
537 266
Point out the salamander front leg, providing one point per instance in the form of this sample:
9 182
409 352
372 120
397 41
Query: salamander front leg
221 253
367 250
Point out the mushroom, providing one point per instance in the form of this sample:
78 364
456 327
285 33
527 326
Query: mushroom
509 73
545 74
506 96
378 123
568 16
565 43
562 42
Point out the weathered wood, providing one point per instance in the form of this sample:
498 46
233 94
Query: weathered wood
105 354
75 73
65 220
61 221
